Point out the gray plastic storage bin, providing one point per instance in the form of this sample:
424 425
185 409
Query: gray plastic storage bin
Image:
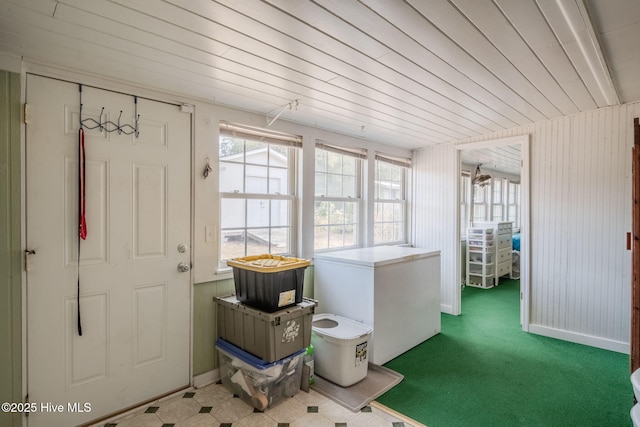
269 336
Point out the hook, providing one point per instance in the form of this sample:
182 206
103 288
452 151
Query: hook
119 128
100 120
207 169
137 131
80 91
135 104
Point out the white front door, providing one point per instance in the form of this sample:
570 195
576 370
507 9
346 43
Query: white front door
134 303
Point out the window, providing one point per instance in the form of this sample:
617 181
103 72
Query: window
513 204
337 197
389 220
465 183
256 191
497 200
497 205
480 203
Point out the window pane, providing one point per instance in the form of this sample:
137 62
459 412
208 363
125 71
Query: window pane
279 156
350 235
351 212
349 165
231 177
231 150
257 152
512 193
336 213
479 213
341 235
399 231
397 172
256 180
280 213
334 162
336 236
232 213
321 213
398 212
321 237
321 160
383 171
258 241
257 213
349 186
321 184
334 185
396 191
497 213
280 238
497 191
278 181
232 244
378 212
479 194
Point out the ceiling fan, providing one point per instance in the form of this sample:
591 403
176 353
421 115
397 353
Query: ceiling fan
479 178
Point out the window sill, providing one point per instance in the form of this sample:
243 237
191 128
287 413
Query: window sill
223 274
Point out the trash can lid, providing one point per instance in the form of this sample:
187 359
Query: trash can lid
267 263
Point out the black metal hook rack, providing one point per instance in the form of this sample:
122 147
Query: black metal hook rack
108 125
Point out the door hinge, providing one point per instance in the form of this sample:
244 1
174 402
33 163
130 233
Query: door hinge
186 108
26 111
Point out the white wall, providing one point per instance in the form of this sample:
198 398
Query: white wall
580 214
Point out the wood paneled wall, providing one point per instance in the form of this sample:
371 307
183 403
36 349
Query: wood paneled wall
580 214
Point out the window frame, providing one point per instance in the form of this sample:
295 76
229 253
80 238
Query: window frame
360 156
404 165
269 139
468 203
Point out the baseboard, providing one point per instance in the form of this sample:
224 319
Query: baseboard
599 342
207 378
446 308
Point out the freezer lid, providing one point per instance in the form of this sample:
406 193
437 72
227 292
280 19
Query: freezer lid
376 256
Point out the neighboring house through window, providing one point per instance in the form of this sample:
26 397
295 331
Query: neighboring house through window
257 183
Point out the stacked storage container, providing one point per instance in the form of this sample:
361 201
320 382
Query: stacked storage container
264 329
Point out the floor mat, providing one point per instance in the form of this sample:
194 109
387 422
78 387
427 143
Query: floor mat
378 380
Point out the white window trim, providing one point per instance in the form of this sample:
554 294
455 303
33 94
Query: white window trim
361 155
405 164
271 138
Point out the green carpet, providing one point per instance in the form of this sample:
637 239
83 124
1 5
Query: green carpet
483 370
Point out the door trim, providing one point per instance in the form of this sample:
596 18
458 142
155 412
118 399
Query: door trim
635 248
525 254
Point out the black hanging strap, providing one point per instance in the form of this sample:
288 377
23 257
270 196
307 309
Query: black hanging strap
82 224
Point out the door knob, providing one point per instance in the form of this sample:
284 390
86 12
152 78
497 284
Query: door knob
183 267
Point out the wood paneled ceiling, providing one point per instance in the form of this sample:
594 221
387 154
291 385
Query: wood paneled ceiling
409 73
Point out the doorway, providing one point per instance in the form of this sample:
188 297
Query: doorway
474 154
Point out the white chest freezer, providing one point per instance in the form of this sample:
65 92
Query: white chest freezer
395 290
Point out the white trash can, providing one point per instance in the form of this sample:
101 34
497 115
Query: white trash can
340 348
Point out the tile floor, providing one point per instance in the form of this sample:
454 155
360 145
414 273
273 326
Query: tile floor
214 405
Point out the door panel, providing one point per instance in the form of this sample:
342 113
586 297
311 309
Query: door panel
134 304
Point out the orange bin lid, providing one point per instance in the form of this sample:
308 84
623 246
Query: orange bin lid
268 263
